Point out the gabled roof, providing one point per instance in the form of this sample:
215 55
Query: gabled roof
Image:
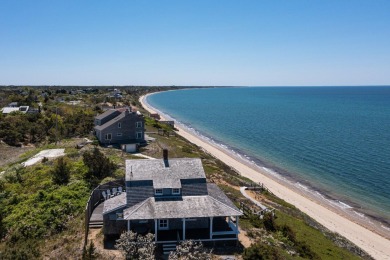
185 207
112 121
164 174
106 113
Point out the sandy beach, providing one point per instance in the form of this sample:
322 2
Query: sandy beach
376 245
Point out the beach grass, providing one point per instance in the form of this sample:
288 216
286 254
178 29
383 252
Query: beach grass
315 239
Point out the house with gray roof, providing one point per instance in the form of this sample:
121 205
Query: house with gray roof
171 199
121 127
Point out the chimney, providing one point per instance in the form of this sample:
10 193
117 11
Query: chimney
165 154
165 157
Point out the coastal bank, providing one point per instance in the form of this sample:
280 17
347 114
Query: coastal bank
376 245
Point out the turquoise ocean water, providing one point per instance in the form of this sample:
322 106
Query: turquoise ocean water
332 141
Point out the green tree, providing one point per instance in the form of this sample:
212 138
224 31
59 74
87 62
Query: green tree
61 172
3 229
99 166
90 252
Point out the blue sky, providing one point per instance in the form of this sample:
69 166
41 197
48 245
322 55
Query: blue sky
242 43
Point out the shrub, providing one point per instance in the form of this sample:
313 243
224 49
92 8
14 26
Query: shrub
90 252
305 251
288 232
61 172
261 251
190 250
99 166
134 246
269 222
186 149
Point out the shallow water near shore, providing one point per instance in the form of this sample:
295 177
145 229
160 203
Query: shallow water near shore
331 142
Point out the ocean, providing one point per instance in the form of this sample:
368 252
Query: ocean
333 142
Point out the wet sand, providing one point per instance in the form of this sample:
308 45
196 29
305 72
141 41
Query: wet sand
367 238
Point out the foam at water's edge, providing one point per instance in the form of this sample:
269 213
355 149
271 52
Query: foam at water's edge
324 198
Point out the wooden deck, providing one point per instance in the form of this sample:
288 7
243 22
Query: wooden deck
97 214
96 220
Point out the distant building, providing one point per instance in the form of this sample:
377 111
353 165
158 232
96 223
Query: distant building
23 109
155 116
170 123
125 128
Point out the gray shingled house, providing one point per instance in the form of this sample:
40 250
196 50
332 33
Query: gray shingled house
171 199
121 127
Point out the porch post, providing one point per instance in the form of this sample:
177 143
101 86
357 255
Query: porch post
184 228
237 218
211 227
128 225
155 230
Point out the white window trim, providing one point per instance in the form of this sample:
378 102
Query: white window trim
106 136
136 135
175 193
158 193
162 222
119 215
138 124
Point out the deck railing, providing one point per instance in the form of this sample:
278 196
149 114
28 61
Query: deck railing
95 198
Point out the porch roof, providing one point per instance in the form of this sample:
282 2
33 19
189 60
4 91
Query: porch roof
114 203
186 207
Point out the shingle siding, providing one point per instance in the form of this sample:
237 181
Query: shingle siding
127 131
138 191
194 187
190 224
113 227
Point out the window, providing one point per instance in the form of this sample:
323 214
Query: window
163 223
175 191
138 124
158 192
119 134
119 215
139 135
108 136
119 125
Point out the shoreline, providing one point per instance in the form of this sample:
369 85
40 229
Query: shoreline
369 238
345 206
